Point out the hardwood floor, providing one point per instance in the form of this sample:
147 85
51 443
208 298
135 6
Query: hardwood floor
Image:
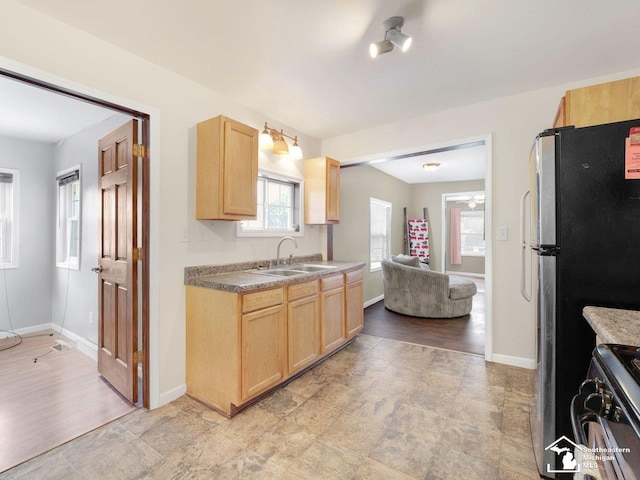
463 334
46 403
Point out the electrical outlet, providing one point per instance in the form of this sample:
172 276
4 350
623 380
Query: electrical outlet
90 317
503 234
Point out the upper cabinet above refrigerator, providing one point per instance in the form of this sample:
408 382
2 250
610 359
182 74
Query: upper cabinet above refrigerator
598 104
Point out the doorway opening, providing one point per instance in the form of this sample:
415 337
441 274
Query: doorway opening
403 179
53 317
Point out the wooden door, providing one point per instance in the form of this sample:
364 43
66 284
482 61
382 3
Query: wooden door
303 333
354 308
117 291
332 315
333 191
239 169
263 350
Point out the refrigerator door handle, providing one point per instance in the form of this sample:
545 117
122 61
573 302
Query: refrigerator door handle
523 245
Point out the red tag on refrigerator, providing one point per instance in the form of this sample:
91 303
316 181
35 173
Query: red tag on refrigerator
632 155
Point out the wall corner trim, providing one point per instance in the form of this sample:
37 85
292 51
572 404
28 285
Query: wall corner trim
169 396
521 362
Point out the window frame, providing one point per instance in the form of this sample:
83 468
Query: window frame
69 262
472 213
376 265
298 207
15 209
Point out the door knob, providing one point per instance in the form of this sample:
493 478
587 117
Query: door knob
97 269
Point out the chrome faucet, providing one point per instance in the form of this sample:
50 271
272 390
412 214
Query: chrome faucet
280 243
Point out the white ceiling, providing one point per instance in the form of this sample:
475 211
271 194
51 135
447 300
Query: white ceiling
455 165
306 63
35 114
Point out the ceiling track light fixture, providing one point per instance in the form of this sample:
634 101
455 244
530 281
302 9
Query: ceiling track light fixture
272 139
392 36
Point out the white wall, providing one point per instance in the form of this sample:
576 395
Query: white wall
514 121
60 54
351 235
78 289
29 286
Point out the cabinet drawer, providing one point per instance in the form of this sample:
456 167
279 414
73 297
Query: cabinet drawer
331 282
264 299
303 290
354 276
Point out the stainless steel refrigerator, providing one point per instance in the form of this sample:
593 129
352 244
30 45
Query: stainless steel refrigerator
580 238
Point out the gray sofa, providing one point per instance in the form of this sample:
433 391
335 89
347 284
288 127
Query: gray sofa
421 292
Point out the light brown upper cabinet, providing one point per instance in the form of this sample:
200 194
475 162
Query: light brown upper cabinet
227 170
321 191
597 104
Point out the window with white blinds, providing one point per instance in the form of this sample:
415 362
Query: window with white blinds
379 233
9 181
68 219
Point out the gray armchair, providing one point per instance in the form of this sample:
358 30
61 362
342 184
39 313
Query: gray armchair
424 293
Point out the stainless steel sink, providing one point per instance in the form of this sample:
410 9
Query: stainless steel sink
296 269
279 272
310 268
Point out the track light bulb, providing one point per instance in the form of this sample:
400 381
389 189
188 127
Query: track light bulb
399 39
378 48
265 141
280 147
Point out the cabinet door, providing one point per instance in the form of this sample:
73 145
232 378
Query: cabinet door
603 103
240 169
333 191
332 315
263 350
303 332
354 308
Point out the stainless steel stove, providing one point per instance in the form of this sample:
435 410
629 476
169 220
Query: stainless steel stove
606 417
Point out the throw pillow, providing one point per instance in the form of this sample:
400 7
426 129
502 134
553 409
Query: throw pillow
406 260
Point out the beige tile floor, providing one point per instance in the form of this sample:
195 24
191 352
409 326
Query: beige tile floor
379 409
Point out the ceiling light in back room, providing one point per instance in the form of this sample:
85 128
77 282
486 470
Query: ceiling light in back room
430 167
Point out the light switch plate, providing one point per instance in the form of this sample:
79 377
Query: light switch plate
503 234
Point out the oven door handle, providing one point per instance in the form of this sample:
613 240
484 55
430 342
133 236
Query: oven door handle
580 416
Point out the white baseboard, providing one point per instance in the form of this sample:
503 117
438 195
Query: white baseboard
368 303
24 331
83 345
521 362
171 395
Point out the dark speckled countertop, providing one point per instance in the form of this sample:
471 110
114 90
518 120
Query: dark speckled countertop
238 277
614 325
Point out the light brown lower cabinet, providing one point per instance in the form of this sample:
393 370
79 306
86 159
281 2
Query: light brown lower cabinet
332 329
240 346
354 302
263 350
303 328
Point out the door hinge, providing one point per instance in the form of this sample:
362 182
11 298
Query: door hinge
137 356
139 150
138 254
